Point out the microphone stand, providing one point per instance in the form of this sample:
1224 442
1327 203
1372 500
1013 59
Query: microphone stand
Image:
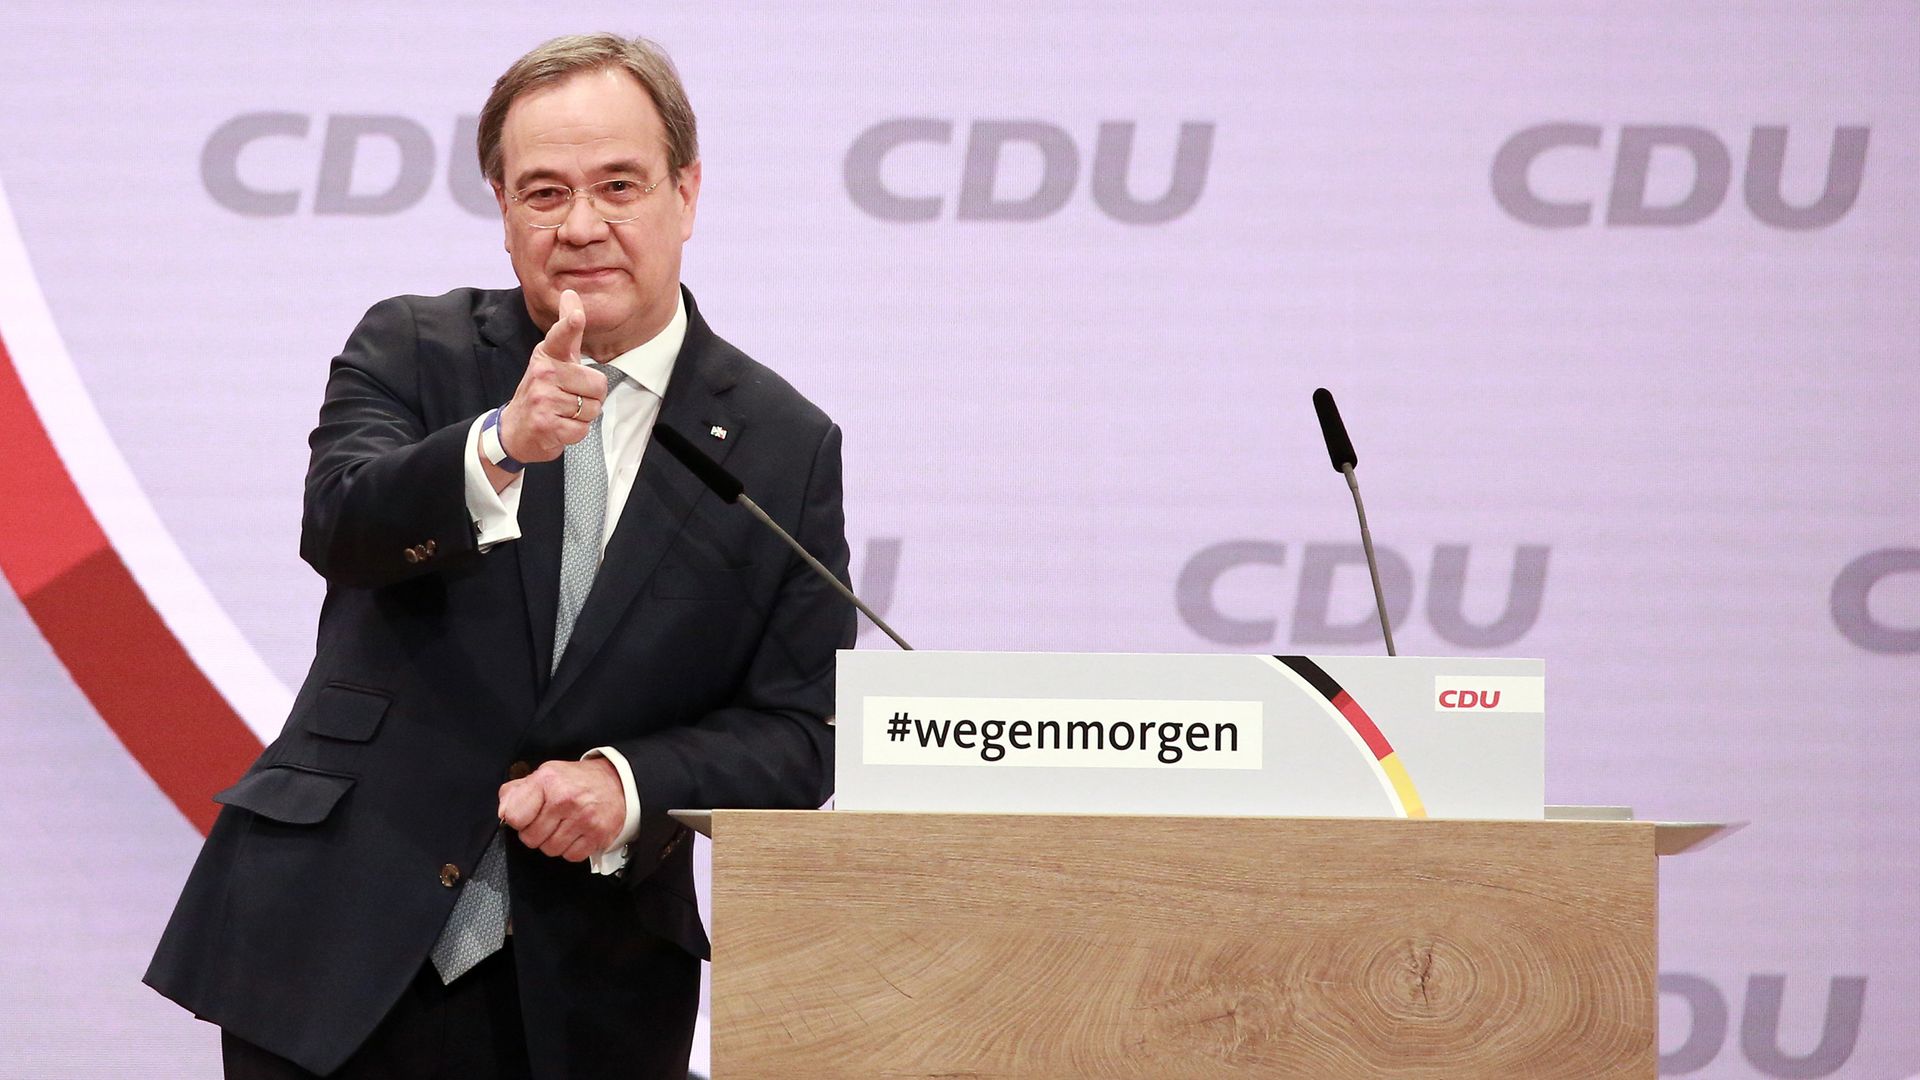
827 575
1373 565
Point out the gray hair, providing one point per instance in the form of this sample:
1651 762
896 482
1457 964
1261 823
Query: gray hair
564 57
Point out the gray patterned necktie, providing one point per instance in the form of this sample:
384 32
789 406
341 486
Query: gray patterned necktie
477 927
585 463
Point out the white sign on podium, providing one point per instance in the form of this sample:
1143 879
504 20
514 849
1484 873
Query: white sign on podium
1339 736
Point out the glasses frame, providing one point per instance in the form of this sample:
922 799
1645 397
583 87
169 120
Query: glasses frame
573 194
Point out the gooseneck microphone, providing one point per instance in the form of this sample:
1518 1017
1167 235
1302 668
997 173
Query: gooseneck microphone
729 488
1340 451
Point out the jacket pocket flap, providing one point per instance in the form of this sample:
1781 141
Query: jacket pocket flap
287 794
347 712
669 915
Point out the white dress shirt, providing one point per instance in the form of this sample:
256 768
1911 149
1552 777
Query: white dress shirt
626 422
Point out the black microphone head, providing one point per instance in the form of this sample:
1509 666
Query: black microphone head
718 480
1339 447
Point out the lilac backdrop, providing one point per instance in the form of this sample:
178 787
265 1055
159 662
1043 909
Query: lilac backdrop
1650 422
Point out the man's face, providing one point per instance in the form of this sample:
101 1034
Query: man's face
594 126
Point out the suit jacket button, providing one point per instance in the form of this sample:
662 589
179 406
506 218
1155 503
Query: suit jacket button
413 555
518 770
449 875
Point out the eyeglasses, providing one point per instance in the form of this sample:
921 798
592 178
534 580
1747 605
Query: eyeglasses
617 201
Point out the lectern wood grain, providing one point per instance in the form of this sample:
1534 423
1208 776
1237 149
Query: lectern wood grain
1044 947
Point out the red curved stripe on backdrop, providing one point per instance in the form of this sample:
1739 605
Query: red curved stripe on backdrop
91 611
1362 723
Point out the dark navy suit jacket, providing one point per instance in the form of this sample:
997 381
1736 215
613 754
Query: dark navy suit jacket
704 653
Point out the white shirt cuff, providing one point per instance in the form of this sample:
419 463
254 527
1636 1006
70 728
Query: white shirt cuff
615 857
495 514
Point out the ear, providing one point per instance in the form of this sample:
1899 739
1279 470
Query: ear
687 190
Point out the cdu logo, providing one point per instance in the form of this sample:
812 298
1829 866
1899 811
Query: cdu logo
1854 615
1321 565
1647 157
368 165
1704 1014
986 192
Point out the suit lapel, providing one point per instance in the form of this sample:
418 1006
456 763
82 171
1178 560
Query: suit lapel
542 499
509 340
664 494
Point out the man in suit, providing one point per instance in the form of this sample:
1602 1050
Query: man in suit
536 640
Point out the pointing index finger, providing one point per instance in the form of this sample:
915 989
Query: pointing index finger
564 336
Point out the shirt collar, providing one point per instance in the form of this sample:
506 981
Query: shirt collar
650 364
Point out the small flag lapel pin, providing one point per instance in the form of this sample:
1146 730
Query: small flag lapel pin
717 431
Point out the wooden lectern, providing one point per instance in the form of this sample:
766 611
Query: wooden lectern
885 946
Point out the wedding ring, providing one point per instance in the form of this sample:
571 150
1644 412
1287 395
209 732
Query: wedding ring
579 403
